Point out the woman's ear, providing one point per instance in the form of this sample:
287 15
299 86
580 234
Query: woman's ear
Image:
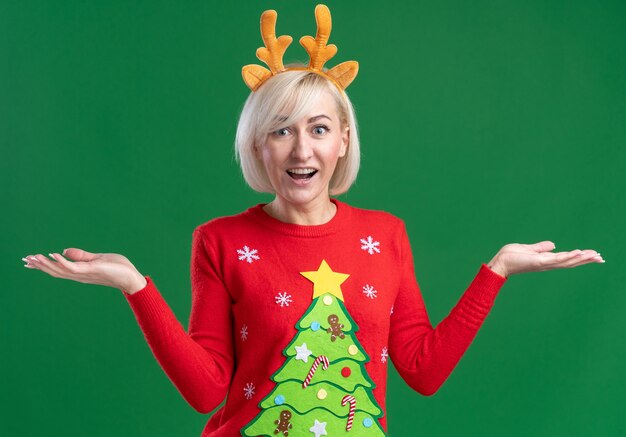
345 142
255 149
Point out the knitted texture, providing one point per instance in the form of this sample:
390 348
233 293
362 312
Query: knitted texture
248 293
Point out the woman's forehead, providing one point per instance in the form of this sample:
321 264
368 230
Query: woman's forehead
310 111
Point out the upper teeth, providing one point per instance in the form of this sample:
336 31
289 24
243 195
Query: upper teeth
301 170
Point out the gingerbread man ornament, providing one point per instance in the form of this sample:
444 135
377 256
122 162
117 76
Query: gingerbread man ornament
283 423
335 328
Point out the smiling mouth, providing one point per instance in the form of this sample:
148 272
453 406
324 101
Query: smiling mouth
301 173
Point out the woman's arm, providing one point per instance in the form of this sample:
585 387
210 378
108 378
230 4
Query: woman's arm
425 356
200 362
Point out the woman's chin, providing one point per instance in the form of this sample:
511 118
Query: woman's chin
303 197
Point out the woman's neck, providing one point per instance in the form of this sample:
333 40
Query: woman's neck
315 214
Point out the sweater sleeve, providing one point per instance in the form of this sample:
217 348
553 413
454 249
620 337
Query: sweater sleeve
199 363
425 357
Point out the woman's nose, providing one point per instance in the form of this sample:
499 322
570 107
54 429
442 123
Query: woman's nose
301 148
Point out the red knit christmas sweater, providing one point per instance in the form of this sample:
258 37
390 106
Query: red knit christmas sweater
295 325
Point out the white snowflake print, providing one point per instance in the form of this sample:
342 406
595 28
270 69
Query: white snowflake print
283 299
248 390
391 310
244 332
370 245
384 355
369 291
247 254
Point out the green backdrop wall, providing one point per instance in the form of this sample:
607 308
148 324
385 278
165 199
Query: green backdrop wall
482 123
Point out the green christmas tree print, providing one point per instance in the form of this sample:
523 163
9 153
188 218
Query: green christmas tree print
323 387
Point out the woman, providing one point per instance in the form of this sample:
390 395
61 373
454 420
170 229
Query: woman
305 279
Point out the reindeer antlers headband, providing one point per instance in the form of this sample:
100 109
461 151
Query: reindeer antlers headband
272 54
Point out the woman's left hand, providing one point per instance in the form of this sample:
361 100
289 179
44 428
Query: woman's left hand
521 258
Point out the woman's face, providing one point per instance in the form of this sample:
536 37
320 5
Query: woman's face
300 159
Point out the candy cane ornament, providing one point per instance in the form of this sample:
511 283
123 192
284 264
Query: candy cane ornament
346 399
321 359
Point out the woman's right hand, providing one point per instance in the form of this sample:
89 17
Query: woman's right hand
110 269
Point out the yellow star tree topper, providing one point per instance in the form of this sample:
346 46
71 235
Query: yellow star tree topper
326 281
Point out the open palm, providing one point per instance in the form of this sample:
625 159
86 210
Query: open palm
110 269
521 258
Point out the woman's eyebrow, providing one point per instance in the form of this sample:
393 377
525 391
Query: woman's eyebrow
312 119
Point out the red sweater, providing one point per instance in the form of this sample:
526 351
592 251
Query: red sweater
250 289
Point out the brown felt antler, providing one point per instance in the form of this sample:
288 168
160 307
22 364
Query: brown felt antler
271 54
317 48
319 52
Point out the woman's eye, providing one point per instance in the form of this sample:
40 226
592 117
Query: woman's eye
281 132
320 129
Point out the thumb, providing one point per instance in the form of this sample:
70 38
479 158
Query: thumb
543 246
78 254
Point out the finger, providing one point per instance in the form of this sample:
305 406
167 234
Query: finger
593 259
543 246
46 265
71 267
562 257
78 254
31 260
550 260
584 257
28 262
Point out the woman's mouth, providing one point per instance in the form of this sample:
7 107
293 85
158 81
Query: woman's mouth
301 173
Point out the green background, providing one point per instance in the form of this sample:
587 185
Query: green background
482 123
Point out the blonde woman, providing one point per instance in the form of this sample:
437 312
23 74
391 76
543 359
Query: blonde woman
298 304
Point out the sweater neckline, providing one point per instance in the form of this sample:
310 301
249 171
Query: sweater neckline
334 225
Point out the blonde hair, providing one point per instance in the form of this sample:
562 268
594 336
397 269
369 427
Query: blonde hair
292 93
